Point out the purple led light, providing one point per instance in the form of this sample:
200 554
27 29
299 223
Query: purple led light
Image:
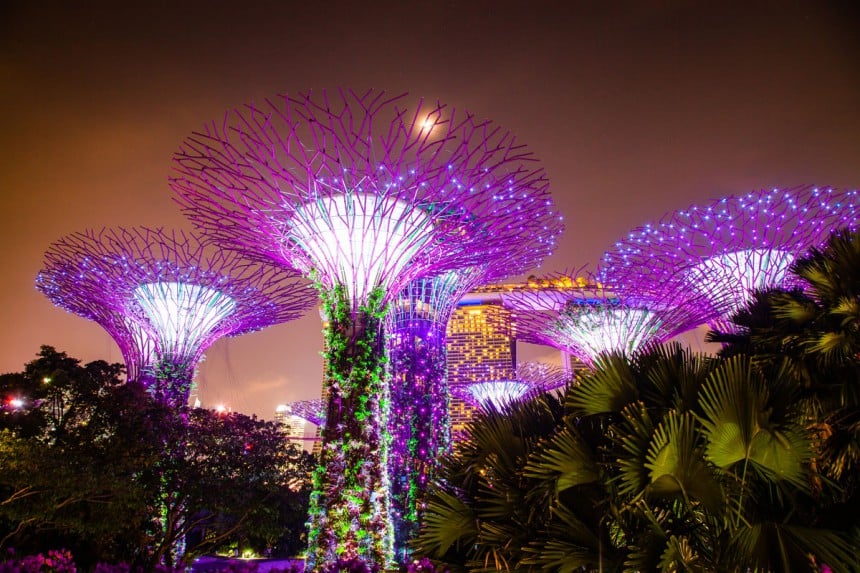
716 255
165 297
362 191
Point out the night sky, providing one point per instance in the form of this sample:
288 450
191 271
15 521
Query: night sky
635 110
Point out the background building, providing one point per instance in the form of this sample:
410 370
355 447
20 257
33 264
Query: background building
294 426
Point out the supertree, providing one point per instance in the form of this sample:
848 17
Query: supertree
420 423
531 378
312 411
589 319
165 297
724 251
363 195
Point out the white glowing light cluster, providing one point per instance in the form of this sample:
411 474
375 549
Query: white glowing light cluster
496 394
183 315
359 238
716 255
531 377
589 320
729 279
588 330
165 297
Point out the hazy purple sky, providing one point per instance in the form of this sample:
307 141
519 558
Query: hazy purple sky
635 110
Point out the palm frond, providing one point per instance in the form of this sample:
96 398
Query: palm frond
677 465
608 388
741 431
447 522
566 460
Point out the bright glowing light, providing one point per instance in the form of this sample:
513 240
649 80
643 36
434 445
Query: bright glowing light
531 377
360 238
221 409
16 403
731 278
591 330
183 314
497 393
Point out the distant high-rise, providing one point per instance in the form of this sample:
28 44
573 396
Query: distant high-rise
481 347
293 424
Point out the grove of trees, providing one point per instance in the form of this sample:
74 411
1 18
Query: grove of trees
94 465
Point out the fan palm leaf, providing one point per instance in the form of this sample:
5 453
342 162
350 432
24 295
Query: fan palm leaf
608 388
741 431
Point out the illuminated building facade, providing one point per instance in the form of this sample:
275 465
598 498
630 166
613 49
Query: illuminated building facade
481 347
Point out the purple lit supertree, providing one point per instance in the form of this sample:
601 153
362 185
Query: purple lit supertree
363 195
723 251
420 422
531 378
587 319
312 411
165 297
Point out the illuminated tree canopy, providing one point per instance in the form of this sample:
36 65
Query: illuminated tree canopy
363 192
365 189
590 320
723 251
531 377
166 296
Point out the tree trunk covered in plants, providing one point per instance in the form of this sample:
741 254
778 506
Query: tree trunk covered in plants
349 507
419 424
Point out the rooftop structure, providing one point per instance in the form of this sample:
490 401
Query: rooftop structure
364 193
531 377
723 251
165 297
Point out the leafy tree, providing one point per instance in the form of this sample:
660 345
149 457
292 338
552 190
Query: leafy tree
95 465
228 482
67 477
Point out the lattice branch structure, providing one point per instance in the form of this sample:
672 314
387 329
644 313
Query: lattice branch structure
532 378
312 411
587 321
364 192
726 250
166 296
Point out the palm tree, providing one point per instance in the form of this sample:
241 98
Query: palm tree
667 461
480 511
